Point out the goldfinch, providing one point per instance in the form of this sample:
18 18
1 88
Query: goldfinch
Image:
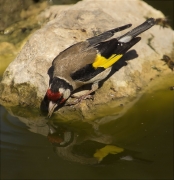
89 62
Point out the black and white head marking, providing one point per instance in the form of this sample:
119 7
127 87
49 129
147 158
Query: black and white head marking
60 85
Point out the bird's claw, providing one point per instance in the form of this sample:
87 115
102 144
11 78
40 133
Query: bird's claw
79 99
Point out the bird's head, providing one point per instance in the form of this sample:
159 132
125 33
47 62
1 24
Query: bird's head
58 92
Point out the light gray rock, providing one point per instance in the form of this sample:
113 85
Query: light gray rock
26 79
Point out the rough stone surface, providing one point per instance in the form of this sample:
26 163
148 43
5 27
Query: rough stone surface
25 81
13 12
14 30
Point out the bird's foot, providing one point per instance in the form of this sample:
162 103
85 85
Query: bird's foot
79 99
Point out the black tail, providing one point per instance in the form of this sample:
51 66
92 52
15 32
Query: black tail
113 46
136 31
124 47
106 35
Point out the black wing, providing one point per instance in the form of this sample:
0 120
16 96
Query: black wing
105 50
106 35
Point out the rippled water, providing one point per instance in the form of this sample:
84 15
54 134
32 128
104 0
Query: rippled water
145 133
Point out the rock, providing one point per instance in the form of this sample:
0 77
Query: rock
26 79
7 8
52 12
14 12
13 35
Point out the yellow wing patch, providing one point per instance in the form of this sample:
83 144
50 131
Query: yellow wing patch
101 61
108 149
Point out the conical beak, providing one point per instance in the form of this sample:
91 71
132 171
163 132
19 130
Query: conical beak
51 108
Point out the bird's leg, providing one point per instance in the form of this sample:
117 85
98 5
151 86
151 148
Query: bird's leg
85 96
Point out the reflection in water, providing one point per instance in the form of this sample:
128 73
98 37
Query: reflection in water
86 151
66 144
60 136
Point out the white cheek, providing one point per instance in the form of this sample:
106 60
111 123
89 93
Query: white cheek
61 90
66 94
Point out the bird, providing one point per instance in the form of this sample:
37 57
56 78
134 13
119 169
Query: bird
89 62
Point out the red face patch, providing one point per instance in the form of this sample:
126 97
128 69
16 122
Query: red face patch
53 96
54 138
